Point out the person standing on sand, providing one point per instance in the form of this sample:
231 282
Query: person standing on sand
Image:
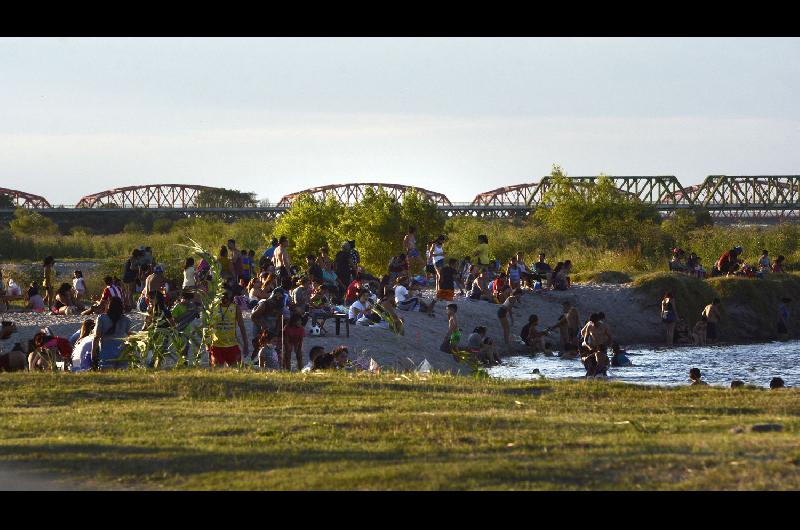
410 249
712 314
669 316
482 251
451 340
47 266
282 263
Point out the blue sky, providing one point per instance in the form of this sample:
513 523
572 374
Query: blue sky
459 116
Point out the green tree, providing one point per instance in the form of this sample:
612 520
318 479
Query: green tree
597 213
310 224
224 198
375 224
417 209
30 223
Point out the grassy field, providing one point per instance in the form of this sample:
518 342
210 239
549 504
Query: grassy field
242 430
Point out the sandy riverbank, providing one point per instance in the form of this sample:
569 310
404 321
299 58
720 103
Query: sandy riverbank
631 319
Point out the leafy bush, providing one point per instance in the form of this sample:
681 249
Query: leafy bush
30 223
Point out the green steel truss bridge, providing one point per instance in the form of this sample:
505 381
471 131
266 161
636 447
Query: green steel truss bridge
726 197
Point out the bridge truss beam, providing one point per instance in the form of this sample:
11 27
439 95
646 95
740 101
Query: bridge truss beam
25 200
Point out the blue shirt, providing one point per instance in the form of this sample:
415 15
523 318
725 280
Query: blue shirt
270 252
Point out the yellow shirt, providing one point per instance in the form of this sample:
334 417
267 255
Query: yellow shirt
223 327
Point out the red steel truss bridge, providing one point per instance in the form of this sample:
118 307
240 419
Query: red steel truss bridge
726 197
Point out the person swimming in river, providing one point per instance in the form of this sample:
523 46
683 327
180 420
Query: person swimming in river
596 361
620 357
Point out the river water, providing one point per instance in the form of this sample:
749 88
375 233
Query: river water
752 363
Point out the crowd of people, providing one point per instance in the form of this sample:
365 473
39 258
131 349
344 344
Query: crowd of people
287 300
730 263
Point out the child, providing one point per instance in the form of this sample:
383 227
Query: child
619 358
293 334
699 331
267 353
533 338
313 354
78 285
340 358
450 343
694 375
35 300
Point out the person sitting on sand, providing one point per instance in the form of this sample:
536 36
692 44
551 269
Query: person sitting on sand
501 289
699 331
362 309
777 265
356 286
35 300
694 376
620 357
480 289
505 314
481 345
542 270
531 336
49 349
764 263
406 302
109 291
82 352
65 304
525 275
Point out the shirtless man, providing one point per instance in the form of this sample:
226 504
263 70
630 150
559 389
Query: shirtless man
713 316
156 302
599 332
281 262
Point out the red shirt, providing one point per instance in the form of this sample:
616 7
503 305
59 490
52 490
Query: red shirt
352 290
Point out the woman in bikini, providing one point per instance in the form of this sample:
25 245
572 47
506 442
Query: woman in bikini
505 313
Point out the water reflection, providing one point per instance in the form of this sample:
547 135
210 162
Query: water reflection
752 363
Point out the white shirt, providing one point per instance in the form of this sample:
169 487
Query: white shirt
400 294
79 285
188 277
82 354
358 309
